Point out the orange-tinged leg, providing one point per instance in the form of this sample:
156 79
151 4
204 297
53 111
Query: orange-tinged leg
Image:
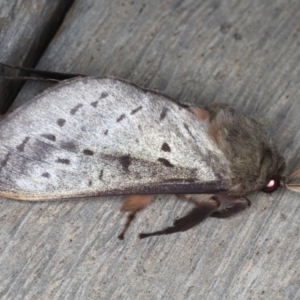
133 204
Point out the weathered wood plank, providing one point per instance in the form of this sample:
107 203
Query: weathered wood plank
26 27
243 53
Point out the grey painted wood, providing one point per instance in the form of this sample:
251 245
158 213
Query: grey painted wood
26 27
245 53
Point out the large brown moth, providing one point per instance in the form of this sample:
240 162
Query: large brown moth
90 136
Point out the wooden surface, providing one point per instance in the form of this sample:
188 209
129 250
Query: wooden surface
245 53
26 28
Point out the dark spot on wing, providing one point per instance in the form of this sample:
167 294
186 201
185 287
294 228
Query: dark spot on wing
22 145
106 132
88 152
163 113
125 161
94 104
121 118
101 175
63 161
69 146
136 110
165 162
75 109
165 147
61 122
90 182
50 137
5 160
188 130
103 95
46 175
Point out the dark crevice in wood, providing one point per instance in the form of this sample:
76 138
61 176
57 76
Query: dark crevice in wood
9 89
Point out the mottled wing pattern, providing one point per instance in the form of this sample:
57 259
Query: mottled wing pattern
92 136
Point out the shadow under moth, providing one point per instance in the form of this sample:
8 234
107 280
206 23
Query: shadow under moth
89 136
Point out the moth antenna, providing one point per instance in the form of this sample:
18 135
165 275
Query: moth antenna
52 76
293 187
295 173
30 78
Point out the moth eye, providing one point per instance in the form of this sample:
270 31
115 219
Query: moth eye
271 186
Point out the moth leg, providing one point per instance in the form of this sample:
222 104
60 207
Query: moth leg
199 213
133 204
130 217
235 206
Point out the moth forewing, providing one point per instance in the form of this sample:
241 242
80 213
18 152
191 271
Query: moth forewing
106 137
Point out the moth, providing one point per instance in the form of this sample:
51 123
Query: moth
90 136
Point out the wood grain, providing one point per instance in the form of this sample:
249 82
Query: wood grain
245 53
26 28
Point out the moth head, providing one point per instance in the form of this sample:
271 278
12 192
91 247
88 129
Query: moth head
289 182
255 162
